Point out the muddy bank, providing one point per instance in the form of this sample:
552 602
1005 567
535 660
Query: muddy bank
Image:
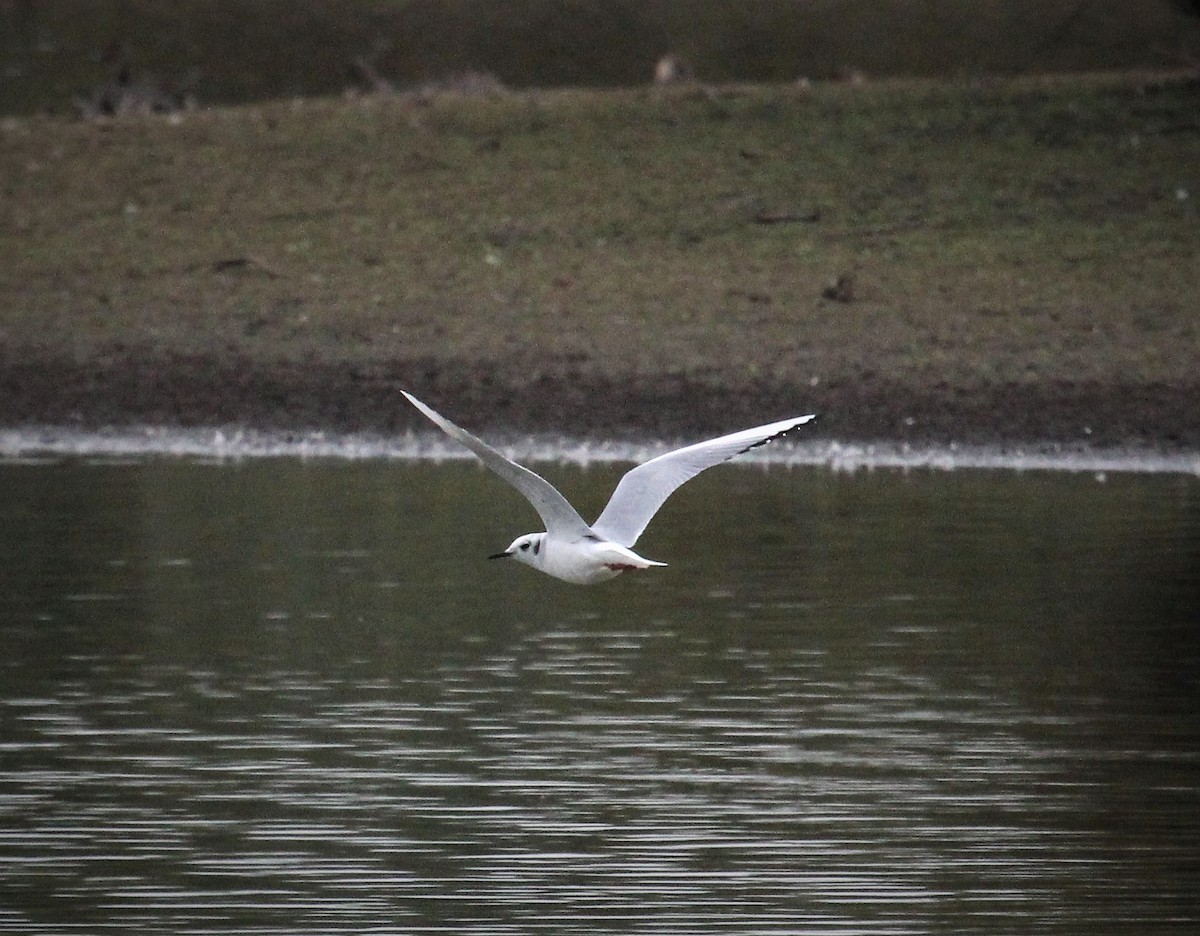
205 391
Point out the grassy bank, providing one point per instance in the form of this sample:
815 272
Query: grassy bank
1026 245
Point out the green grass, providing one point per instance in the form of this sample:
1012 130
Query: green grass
997 233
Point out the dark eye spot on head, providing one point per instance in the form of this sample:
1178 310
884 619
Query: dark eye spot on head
524 546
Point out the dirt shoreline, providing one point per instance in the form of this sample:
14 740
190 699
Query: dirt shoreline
1010 264
197 391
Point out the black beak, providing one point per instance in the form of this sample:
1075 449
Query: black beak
500 555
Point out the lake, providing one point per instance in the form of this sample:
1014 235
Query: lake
283 695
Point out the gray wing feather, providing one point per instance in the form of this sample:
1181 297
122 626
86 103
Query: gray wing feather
643 490
554 509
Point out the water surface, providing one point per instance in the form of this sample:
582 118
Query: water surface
282 696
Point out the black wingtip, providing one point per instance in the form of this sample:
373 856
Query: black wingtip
804 421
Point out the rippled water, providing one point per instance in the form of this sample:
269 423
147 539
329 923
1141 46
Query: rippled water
281 697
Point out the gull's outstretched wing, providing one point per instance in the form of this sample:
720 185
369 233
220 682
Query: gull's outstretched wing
644 488
558 515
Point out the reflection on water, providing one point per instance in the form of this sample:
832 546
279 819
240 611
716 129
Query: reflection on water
291 697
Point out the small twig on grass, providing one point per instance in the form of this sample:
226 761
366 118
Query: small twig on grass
245 263
767 216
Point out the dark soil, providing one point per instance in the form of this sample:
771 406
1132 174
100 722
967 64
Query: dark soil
198 391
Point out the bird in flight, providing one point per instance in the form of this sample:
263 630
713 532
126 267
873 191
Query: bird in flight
584 554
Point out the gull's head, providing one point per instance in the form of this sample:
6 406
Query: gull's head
527 549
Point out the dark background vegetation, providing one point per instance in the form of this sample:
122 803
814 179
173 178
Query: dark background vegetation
227 51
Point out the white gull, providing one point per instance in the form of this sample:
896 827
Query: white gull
573 551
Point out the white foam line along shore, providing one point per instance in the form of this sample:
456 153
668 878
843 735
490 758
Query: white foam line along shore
38 443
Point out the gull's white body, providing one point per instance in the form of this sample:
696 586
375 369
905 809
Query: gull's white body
582 560
572 550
